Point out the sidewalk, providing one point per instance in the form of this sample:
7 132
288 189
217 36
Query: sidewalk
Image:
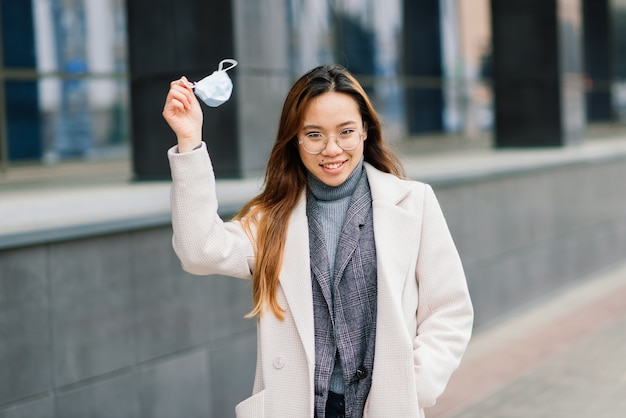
563 357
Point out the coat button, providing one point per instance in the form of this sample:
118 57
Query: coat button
279 362
361 373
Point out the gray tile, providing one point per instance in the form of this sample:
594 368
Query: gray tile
229 301
176 310
40 408
24 324
92 307
171 308
176 387
232 364
112 398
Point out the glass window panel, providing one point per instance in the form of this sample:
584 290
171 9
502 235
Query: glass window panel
69 100
362 35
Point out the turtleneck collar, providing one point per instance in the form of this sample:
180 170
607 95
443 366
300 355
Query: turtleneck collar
322 191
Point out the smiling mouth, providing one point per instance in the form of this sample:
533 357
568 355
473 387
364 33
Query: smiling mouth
333 165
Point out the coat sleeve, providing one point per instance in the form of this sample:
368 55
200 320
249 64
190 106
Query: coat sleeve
203 242
445 314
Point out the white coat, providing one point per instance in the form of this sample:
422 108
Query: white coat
424 317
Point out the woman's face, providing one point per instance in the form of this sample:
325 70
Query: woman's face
331 114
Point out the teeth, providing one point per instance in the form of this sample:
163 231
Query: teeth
332 166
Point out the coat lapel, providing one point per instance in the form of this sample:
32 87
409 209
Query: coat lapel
396 250
295 278
392 226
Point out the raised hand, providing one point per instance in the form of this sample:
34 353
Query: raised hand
183 114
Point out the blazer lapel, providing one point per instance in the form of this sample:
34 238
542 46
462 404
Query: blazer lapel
318 254
351 230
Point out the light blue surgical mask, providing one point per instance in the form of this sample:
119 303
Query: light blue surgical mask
216 88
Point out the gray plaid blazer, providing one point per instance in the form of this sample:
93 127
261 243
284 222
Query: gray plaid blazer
345 316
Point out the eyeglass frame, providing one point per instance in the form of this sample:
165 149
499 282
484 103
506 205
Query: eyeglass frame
361 133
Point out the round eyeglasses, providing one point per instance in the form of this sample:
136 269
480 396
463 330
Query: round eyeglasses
347 140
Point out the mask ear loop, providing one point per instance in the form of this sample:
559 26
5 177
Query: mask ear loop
233 63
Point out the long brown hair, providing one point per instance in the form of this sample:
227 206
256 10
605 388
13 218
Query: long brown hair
285 176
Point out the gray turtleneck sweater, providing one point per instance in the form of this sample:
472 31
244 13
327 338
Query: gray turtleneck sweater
332 205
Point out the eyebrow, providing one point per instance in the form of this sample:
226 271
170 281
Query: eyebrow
341 125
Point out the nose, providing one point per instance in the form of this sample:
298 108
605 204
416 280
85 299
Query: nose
332 148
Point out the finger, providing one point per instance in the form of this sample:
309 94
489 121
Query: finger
186 82
178 106
182 82
181 94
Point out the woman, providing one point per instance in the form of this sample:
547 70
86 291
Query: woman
359 292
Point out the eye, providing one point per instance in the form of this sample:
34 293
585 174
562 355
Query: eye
314 136
347 132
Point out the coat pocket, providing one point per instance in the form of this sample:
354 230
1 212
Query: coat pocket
253 407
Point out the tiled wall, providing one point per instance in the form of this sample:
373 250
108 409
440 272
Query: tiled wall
526 235
112 327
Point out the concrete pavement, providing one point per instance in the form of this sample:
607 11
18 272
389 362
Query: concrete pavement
562 357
